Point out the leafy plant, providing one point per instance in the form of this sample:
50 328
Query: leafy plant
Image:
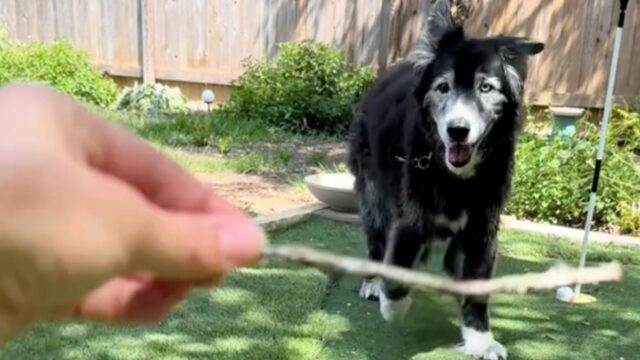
152 98
340 167
316 158
59 65
284 155
553 177
630 218
309 88
624 128
224 145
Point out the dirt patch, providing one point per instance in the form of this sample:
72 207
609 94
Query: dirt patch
257 195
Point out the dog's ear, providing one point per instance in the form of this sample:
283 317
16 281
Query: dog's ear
438 26
439 20
438 23
520 48
515 54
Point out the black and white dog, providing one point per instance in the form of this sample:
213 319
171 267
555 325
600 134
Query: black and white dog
432 151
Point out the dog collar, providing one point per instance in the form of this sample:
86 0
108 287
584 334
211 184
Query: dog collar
421 162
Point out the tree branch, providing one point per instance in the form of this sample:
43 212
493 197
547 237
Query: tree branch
555 277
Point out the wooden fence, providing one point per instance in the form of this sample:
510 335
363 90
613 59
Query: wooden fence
203 42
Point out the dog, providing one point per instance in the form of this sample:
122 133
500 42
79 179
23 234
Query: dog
432 150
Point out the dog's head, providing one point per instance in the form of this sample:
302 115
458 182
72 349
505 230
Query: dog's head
468 87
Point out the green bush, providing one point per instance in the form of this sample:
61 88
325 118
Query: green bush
58 65
152 99
309 88
630 218
552 181
624 128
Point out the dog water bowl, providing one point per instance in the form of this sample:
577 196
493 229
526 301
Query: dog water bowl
334 189
564 120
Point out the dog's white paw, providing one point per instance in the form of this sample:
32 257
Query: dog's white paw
482 345
394 309
370 289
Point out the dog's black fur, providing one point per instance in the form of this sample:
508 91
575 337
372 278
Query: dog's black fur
400 201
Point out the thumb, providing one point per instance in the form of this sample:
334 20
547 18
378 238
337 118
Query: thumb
197 246
174 244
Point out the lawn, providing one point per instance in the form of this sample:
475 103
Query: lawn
205 143
282 311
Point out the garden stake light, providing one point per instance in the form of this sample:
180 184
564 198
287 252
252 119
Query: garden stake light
208 97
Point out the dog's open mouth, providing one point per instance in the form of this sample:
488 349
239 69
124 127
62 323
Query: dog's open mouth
459 154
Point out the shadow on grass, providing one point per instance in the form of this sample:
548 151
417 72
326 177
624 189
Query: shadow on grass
281 311
262 313
535 326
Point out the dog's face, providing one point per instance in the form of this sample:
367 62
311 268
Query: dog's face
466 86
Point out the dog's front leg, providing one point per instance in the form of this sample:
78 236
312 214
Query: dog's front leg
472 255
405 247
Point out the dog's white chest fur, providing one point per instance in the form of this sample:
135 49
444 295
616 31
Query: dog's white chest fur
453 224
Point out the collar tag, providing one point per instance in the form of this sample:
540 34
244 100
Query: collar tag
422 162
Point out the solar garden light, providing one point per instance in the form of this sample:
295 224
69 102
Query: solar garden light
208 97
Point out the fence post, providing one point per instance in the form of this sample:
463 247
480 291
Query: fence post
148 40
302 13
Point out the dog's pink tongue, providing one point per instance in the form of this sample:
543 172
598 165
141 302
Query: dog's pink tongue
459 155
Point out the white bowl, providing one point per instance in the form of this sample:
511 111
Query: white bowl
334 189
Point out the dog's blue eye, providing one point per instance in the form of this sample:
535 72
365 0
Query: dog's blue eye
443 88
486 87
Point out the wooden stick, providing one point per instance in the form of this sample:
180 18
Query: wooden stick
555 277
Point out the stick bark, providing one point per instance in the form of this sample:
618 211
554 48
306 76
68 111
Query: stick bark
519 284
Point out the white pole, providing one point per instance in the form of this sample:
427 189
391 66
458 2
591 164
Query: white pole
603 134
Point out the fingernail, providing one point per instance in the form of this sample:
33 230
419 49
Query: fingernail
241 241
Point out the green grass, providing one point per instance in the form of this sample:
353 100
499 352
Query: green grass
195 129
316 158
252 163
258 163
282 311
297 184
194 162
204 129
177 136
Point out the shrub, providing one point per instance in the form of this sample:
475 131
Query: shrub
224 145
153 99
552 181
284 155
624 128
309 88
630 218
58 65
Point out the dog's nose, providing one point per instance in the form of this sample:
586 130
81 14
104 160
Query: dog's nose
458 132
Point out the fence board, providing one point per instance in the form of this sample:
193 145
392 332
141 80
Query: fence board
205 41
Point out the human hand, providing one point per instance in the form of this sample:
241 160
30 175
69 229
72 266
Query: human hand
94 224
